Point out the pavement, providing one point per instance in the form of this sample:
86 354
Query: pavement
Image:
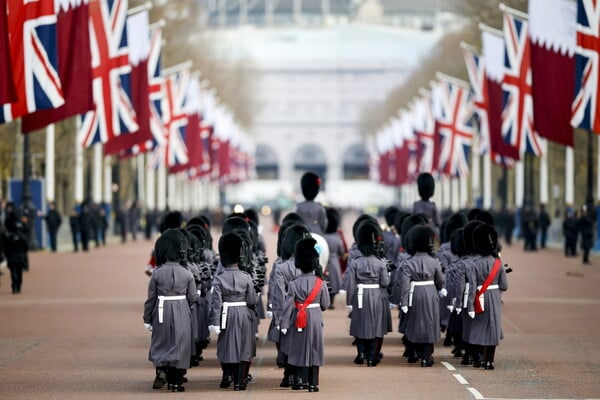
75 332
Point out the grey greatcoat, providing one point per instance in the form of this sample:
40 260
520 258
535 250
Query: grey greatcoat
353 252
334 271
462 276
286 272
171 344
273 333
236 342
374 319
422 319
306 348
486 328
314 216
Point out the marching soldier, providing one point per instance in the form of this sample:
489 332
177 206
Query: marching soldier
313 213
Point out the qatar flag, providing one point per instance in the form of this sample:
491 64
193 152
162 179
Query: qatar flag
8 93
553 35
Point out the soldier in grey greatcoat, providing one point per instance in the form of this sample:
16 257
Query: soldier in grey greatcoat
486 327
336 252
232 315
312 212
167 313
367 297
455 282
426 187
286 272
464 285
302 317
420 280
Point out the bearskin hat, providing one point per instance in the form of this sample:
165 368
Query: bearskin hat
333 219
485 217
291 217
457 244
235 223
452 223
409 222
251 215
281 233
171 246
369 238
201 233
399 219
306 256
473 213
485 240
172 220
310 184
422 239
291 236
426 185
468 235
231 247
362 218
390 215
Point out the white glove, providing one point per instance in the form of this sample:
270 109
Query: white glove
472 314
458 310
450 307
148 326
283 331
342 291
214 328
269 314
349 308
443 292
392 306
404 309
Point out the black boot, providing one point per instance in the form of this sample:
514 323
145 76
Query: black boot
227 379
360 352
301 378
239 381
160 379
288 377
313 379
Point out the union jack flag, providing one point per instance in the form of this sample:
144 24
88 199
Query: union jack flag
114 113
517 116
454 130
155 86
175 119
34 54
585 111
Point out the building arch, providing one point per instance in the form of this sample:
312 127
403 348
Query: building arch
267 165
355 162
310 157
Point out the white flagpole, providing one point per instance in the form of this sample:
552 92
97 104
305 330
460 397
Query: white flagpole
544 173
475 171
487 182
455 204
437 194
140 178
161 192
519 183
447 193
598 174
50 147
78 187
97 174
150 176
464 192
569 176
171 195
107 181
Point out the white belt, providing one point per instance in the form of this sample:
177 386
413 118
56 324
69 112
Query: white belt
311 305
361 287
226 305
466 295
480 298
161 304
412 289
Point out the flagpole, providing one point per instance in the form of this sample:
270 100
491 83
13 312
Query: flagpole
451 79
97 180
140 178
487 182
475 170
519 183
176 68
589 197
161 193
78 164
493 31
513 11
544 173
144 7
150 189
569 177
50 158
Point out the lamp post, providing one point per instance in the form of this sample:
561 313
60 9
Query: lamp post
27 206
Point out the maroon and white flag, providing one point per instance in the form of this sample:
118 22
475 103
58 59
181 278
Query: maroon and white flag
8 93
553 35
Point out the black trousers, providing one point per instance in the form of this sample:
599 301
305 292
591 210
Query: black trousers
16 276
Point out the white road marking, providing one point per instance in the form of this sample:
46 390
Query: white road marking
475 393
448 366
461 379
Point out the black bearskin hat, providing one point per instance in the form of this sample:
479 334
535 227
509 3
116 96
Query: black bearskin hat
399 219
473 213
171 246
281 233
171 220
333 219
306 257
457 244
452 223
485 240
421 238
251 215
468 235
291 236
390 215
426 185
235 223
362 218
230 248
409 222
200 232
369 238
485 217
310 184
291 217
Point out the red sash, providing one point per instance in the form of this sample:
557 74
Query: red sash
486 283
301 307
